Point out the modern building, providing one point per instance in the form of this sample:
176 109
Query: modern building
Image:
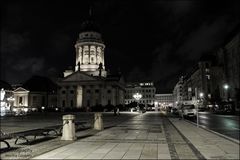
228 57
215 80
178 92
89 84
163 100
146 89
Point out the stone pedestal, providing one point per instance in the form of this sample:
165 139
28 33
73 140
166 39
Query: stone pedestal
98 122
68 132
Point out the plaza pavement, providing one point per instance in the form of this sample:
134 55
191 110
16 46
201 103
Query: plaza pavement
148 136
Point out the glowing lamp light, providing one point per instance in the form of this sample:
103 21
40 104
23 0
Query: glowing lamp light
137 96
25 109
56 109
226 86
43 107
201 95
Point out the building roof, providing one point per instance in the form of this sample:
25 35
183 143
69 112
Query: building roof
40 84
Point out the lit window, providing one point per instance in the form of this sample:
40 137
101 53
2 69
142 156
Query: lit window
208 76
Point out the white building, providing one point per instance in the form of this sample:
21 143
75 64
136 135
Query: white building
178 92
146 89
163 100
89 84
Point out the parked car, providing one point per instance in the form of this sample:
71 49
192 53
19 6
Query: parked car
174 111
189 110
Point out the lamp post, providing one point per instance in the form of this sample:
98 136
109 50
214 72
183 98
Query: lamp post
226 87
137 97
201 101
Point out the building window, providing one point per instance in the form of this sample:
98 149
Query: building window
20 100
88 91
63 92
63 103
72 91
43 100
88 102
109 101
71 103
109 91
208 76
96 91
34 99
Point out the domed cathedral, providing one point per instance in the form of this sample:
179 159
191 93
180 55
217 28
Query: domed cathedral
90 50
89 84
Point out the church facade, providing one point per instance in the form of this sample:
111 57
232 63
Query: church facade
89 84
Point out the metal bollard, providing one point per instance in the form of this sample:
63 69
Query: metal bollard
68 132
98 122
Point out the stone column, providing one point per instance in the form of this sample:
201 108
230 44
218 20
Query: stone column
89 60
98 122
82 56
95 48
68 132
102 53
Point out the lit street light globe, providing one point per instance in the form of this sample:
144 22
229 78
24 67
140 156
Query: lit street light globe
137 96
201 95
226 86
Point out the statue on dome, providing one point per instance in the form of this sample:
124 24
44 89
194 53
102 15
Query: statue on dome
100 67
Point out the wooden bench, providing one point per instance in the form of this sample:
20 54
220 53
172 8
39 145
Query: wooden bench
4 137
56 128
80 125
34 132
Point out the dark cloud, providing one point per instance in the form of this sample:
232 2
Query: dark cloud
205 38
149 40
13 42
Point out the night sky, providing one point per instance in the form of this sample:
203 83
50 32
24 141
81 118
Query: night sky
151 40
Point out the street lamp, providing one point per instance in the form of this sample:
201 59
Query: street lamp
137 97
201 98
226 87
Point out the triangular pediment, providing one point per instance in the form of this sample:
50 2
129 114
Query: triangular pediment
20 89
79 76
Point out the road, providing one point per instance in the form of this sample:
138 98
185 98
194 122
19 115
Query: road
225 124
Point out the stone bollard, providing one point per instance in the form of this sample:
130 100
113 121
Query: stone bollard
98 122
68 132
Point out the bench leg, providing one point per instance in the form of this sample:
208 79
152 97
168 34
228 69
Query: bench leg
8 146
22 137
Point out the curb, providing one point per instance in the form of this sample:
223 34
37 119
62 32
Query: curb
219 134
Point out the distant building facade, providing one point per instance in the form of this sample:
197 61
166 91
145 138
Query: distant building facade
146 89
163 100
228 58
206 83
178 92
